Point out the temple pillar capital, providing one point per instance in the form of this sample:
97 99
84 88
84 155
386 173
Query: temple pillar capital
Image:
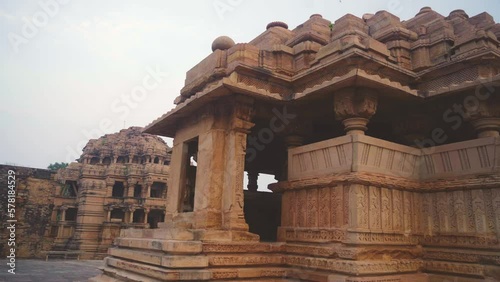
484 117
354 107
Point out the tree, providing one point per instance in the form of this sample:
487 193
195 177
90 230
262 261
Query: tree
56 166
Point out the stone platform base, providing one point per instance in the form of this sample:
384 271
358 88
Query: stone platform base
217 255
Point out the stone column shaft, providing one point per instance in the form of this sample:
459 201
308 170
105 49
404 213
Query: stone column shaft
253 181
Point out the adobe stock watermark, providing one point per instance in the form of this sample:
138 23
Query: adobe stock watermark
456 114
121 106
277 123
222 7
32 26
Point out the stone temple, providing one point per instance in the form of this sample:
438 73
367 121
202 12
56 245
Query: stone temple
120 181
382 134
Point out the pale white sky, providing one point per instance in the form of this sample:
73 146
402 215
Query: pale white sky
69 67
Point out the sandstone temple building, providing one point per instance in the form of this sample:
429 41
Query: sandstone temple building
383 136
120 181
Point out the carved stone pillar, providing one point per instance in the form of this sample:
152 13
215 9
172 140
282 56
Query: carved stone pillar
108 213
146 213
486 127
63 213
129 188
354 107
146 191
234 164
485 117
130 218
252 181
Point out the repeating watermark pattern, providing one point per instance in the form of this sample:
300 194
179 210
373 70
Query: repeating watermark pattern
11 221
266 135
121 106
222 7
32 26
455 115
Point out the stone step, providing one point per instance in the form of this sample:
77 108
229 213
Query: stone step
159 258
159 233
130 270
168 246
133 271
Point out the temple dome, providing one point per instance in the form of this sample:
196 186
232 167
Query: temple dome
131 144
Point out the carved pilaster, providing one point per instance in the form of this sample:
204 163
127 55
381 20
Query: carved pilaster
239 126
130 211
354 107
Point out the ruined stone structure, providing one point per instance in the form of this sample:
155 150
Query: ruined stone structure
384 139
35 193
120 181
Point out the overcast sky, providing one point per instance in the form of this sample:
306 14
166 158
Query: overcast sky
68 67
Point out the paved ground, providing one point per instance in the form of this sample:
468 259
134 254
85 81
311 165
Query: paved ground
30 270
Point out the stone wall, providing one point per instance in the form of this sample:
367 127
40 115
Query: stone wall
35 192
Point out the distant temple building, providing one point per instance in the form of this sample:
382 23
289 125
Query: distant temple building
383 136
120 181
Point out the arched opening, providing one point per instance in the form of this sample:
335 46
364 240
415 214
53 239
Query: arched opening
94 160
121 160
106 161
156 160
118 190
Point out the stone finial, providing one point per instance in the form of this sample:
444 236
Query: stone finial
277 24
458 14
316 16
222 43
355 107
367 16
423 11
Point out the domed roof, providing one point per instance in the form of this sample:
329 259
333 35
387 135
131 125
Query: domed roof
128 142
